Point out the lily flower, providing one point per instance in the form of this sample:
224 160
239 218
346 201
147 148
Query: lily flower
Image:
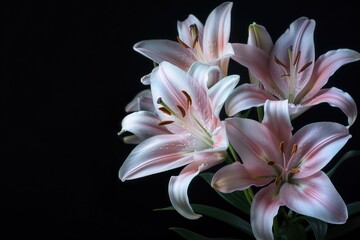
286 166
208 44
288 70
184 129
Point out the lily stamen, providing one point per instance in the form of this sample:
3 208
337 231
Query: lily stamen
167 122
188 98
279 62
182 110
304 67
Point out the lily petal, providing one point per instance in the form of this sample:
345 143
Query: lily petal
160 50
255 143
325 66
336 98
184 33
264 208
318 143
217 31
257 61
178 185
143 124
277 119
142 101
235 177
157 154
245 97
221 90
259 37
315 196
297 41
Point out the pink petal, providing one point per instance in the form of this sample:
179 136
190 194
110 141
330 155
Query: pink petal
255 143
325 66
299 37
143 124
276 118
317 145
235 177
315 196
220 92
178 186
336 98
166 50
259 37
264 208
245 97
208 75
257 61
183 28
142 101
217 31
157 154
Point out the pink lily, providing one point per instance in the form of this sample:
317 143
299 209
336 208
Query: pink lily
208 44
288 70
287 166
185 129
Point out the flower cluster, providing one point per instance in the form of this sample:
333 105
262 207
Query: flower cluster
177 122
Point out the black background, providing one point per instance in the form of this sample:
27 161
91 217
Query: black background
68 72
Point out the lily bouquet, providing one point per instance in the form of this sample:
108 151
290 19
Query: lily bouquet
197 116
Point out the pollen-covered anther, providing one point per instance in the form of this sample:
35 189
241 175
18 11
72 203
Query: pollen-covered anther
188 98
167 122
164 110
182 110
295 170
294 149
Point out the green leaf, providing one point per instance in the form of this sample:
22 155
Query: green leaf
353 207
237 198
292 231
224 216
340 230
190 235
347 155
220 215
319 227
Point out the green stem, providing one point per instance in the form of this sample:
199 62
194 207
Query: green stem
260 113
249 195
233 153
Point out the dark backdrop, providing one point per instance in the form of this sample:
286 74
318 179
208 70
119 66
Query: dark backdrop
68 72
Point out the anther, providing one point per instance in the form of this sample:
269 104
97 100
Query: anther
279 62
270 163
182 110
164 110
162 123
304 67
297 57
295 170
282 146
188 98
277 180
294 149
